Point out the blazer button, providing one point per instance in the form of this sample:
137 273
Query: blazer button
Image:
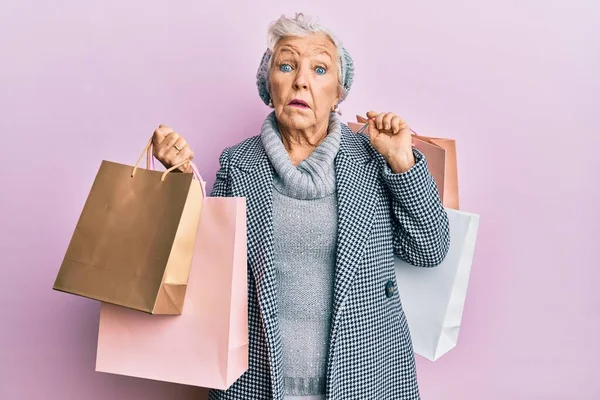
389 289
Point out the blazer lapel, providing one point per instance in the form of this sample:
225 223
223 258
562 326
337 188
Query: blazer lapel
252 178
357 176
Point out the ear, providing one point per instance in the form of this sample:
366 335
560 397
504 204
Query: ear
340 94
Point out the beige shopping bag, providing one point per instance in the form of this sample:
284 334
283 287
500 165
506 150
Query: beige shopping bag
134 241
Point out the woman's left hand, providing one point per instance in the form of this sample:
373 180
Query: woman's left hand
392 138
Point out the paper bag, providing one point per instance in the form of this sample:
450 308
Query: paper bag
441 160
433 298
134 240
207 345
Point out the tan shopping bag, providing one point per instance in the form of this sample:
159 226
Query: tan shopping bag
134 241
441 159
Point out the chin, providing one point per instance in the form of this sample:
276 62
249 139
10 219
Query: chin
296 120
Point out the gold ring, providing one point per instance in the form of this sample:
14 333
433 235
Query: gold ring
176 147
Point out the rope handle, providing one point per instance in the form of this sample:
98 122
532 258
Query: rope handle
150 166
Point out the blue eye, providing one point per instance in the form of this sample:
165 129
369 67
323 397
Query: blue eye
320 70
285 67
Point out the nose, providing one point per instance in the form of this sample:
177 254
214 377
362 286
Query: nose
301 79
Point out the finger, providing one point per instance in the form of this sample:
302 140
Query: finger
160 133
387 121
379 120
373 131
163 150
372 114
179 145
180 152
170 140
186 154
157 137
404 125
164 130
396 124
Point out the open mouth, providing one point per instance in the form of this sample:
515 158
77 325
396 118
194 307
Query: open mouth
298 103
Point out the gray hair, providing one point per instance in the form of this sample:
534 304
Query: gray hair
299 26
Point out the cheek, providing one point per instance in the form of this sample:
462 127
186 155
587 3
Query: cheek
272 85
334 88
327 93
277 86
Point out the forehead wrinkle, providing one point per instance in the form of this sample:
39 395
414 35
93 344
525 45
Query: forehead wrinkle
283 51
316 49
287 48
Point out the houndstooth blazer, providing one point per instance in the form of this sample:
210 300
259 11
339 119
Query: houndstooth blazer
380 214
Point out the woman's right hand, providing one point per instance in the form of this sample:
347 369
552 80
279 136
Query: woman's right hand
170 148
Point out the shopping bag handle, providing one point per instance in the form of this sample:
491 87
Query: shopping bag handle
150 166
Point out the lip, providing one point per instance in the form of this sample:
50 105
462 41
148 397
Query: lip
298 103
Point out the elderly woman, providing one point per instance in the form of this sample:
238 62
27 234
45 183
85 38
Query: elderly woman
327 210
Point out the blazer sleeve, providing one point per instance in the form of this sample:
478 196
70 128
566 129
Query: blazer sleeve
420 222
222 186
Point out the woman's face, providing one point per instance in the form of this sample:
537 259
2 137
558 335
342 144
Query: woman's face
304 81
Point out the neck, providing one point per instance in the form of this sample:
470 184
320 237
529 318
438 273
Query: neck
300 143
313 178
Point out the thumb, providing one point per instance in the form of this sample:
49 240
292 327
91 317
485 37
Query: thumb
373 131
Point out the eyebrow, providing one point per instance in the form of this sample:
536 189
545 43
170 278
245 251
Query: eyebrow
326 53
289 49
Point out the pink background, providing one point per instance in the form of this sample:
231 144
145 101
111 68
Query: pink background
516 83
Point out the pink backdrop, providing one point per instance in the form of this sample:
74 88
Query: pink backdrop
516 84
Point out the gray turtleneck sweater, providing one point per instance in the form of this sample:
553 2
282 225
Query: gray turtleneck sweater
305 237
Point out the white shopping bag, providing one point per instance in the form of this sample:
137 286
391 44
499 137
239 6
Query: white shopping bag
433 298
